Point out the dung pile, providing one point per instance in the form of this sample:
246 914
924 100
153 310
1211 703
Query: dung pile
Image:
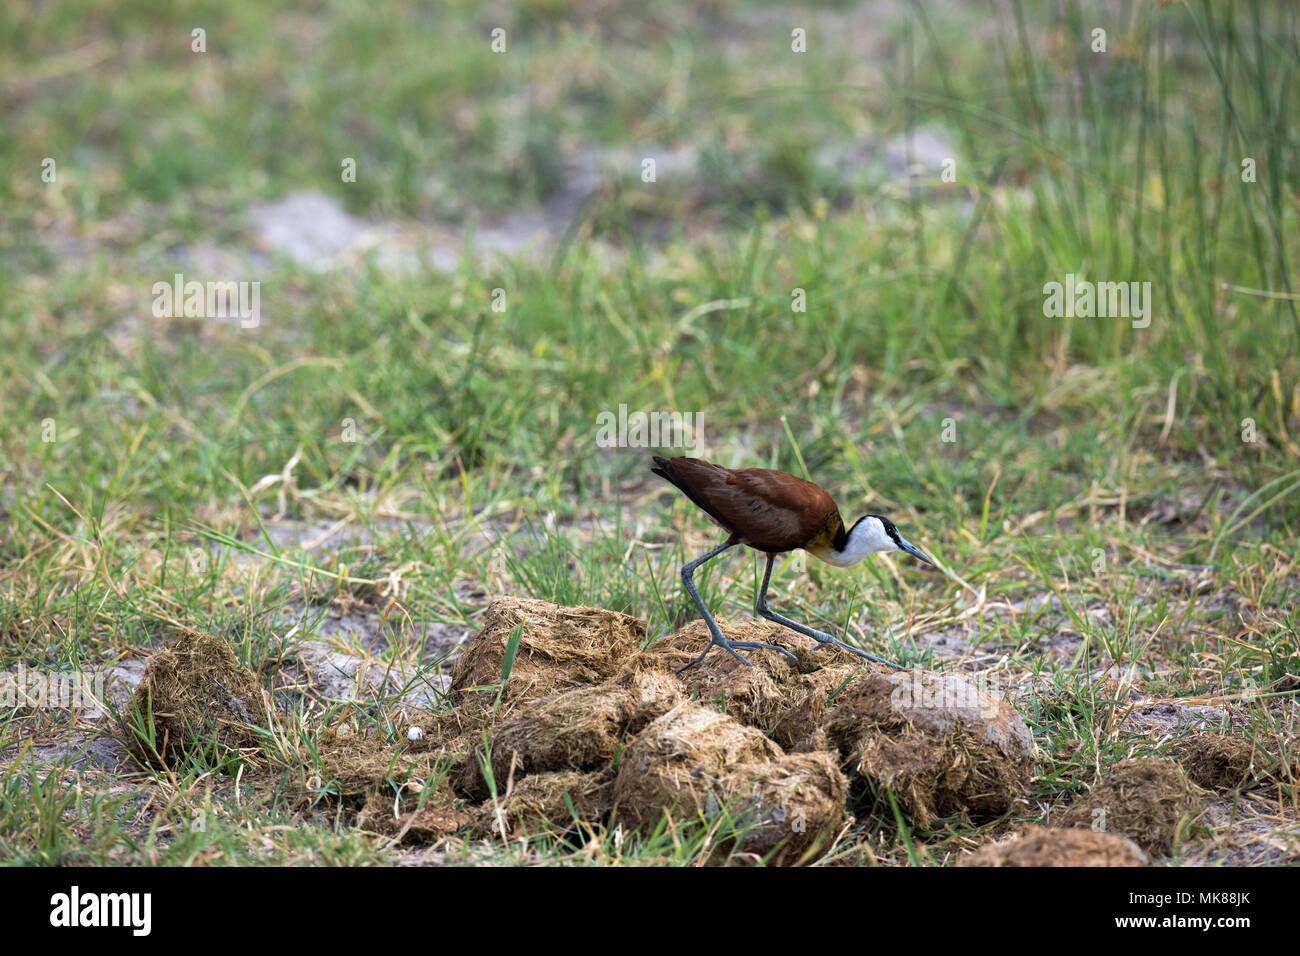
1229 763
357 762
943 746
559 647
765 746
559 799
575 730
588 723
674 764
695 763
784 701
1039 846
403 788
194 700
590 728
939 742
411 817
1151 801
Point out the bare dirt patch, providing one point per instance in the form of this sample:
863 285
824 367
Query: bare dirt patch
1253 828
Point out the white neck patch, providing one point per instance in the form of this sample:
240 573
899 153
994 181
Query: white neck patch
867 537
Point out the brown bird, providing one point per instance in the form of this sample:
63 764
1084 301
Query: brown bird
773 512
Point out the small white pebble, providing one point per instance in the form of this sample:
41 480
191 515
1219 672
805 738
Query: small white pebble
415 733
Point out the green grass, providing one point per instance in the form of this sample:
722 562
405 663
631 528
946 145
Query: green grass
475 470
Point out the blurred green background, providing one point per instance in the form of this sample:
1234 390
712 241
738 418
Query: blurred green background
384 434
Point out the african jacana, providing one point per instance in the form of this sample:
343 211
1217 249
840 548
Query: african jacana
773 512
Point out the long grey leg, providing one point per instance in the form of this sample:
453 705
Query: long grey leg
821 637
717 637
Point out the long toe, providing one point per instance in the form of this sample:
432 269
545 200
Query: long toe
732 646
755 645
726 645
861 653
881 660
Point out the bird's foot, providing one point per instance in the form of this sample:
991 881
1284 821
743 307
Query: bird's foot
733 647
826 639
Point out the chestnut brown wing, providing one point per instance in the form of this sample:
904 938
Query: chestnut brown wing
768 510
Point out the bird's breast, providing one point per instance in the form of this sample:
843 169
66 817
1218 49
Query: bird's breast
822 544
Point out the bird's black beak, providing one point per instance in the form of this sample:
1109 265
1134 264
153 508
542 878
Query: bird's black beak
913 550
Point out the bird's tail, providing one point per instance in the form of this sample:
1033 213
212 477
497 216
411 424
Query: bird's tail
663 468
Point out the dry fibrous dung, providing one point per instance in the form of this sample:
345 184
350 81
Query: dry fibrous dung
194 700
1218 762
559 647
1149 800
589 728
1040 846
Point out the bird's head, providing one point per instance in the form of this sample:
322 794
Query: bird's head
871 534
